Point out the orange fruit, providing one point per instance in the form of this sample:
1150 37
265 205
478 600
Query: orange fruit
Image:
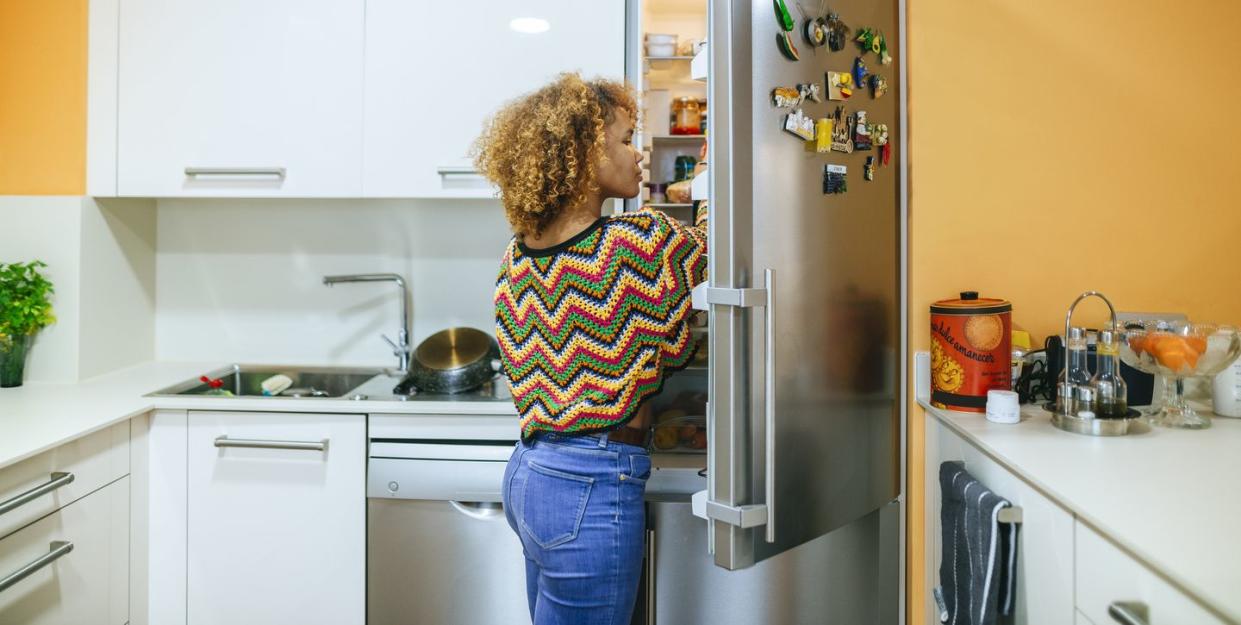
1174 359
1191 359
1198 343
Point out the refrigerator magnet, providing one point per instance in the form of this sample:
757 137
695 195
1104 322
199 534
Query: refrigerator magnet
869 172
810 91
786 97
842 131
823 135
878 86
837 33
799 124
859 72
783 17
834 179
861 132
872 40
878 134
785 43
839 85
815 32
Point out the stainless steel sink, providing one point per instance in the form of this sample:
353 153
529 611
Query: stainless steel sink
246 381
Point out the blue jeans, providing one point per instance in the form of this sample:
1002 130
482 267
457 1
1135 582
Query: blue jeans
576 502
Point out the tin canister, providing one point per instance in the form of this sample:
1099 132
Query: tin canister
971 351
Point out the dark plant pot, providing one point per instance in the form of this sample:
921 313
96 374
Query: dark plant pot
13 359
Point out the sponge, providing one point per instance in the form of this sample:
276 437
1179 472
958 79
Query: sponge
276 384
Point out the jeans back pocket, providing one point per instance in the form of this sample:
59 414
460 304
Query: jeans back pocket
553 505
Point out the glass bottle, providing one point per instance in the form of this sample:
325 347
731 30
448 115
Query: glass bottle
1111 394
1075 374
686 117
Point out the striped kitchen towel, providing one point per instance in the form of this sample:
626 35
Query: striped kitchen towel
978 569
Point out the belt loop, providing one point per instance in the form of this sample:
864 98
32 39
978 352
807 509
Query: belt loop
603 440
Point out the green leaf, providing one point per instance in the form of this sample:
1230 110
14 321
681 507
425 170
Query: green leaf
25 298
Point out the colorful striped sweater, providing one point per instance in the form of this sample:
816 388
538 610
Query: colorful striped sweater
589 328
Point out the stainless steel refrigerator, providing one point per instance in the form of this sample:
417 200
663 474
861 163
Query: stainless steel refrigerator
805 300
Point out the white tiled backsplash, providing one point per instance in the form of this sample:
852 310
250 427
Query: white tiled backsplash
241 280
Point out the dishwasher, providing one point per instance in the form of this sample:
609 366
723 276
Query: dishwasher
439 550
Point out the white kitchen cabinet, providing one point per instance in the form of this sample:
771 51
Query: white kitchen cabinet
1107 575
81 552
64 474
1045 540
267 95
436 70
276 535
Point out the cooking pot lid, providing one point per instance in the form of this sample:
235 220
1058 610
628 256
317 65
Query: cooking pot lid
453 348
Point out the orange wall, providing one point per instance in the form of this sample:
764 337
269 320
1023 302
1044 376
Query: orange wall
1028 120
43 97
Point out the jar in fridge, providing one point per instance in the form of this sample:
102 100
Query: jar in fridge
687 117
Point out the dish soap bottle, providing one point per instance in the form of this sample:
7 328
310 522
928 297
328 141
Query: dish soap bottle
1111 394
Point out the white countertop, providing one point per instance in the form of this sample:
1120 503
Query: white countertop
1166 496
39 416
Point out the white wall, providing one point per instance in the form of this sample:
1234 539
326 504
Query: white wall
241 280
47 228
101 261
118 284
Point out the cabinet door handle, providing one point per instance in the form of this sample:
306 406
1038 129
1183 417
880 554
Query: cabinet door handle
225 441
1129 612
58 479
457 171
194 172
57 549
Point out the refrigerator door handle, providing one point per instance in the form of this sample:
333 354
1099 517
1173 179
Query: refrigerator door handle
754 515
769 403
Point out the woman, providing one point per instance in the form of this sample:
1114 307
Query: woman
591 315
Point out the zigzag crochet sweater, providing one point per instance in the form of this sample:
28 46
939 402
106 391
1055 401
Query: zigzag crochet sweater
589 328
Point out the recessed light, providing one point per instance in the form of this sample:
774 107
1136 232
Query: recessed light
529 25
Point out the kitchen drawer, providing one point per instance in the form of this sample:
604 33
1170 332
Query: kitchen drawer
1106 574
92 460
1044 542
84 586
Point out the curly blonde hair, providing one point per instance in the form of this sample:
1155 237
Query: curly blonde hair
542 149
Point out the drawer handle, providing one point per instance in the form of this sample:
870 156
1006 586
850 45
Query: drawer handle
481 510
225 441
194 172
58 548
1129 612
58 479
457 171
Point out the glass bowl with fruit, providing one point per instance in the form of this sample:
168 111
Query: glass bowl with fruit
676 431
1177 350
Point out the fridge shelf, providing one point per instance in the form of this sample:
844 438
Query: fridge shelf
676 138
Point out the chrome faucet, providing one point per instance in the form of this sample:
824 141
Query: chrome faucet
400 347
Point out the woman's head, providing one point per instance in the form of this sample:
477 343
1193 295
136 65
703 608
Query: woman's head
560 148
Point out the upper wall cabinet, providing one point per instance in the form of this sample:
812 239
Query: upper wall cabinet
236 98
436 70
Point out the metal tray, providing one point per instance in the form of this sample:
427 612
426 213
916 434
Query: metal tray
1134 423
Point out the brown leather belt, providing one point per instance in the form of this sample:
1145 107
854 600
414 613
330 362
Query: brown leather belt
632 436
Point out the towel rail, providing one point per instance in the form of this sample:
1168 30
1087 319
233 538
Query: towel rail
1011 514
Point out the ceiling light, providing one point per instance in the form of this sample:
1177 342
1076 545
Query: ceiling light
529 25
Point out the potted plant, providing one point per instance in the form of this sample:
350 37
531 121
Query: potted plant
25 308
